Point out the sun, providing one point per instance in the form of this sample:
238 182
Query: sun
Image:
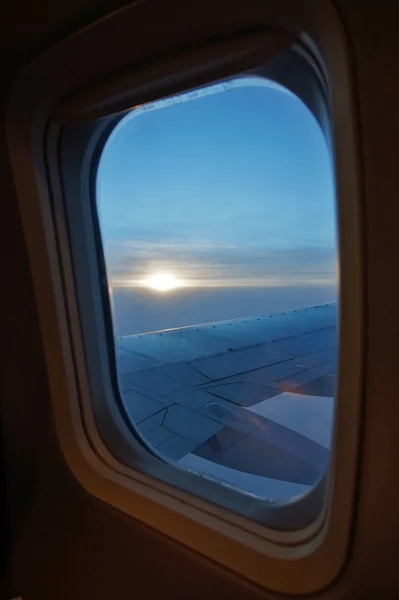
163 282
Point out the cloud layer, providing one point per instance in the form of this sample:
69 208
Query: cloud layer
202 264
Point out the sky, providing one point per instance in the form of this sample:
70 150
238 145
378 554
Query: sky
228 187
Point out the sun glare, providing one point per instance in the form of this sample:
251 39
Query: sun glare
163 282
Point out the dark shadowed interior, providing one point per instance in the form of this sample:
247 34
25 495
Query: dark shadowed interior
58 542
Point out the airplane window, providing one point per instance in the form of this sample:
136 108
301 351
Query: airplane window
217 216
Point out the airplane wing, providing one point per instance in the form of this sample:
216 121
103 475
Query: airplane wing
248 402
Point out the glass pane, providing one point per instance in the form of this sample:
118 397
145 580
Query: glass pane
217 216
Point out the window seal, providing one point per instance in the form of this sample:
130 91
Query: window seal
309 512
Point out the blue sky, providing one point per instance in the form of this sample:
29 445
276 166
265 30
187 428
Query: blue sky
232 188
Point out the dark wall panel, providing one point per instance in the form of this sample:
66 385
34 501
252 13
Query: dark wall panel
66 545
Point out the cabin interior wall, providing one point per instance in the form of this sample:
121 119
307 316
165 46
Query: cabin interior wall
61 543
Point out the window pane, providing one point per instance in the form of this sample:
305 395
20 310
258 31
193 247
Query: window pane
217 216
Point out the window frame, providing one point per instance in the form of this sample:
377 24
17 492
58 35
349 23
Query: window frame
313 555
85 144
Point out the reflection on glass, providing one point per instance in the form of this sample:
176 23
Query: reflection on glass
217 217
